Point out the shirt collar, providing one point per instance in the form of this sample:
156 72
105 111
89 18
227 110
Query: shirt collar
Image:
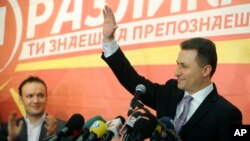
201 94
40 122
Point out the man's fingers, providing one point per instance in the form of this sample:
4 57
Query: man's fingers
20 124
104 13
50 121
50 124
46 126
13 115
115 27
109 12
12 118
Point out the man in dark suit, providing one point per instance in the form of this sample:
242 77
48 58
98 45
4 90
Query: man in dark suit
209 116
36 124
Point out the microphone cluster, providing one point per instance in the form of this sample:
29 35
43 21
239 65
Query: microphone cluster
141 124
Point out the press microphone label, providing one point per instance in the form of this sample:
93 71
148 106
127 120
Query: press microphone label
240 133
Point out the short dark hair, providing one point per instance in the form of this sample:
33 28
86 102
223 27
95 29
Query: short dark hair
29 80
206 51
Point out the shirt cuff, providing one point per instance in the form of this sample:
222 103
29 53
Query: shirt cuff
109 48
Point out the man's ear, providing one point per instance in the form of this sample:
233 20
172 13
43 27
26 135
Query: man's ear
207 70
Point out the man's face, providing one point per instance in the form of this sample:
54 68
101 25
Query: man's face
189 74
34 99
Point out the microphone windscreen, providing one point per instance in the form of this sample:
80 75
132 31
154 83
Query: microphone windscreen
133 117
99 128
92 120
140 88
145 126
130 122
113 128
170 133
75 122
168 122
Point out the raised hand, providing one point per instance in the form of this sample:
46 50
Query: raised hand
14 128
50 125
109 24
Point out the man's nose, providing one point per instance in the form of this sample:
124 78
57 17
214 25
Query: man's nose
35 99
177 71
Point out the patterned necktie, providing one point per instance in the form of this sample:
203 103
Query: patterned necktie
182 118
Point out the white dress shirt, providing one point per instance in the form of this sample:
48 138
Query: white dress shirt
34 130
109 48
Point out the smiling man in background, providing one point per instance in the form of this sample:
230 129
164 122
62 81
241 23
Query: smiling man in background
36 124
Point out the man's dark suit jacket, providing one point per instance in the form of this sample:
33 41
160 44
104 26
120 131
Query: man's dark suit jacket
24 136
210 122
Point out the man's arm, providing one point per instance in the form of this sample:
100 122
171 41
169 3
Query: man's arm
120 65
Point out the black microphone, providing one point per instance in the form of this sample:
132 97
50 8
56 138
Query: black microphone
144 127
113 128
129 124
139 90
165 130
127 128
75 122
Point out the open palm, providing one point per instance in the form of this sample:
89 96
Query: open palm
109 24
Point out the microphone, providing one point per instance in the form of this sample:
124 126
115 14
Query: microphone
97 130
168 122
165 130
168 131
113 128
86 127
139 90
75 122
127 129
129 124
144 127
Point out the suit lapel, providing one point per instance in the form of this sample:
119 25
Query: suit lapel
23 135
179 94
204 109
43 132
